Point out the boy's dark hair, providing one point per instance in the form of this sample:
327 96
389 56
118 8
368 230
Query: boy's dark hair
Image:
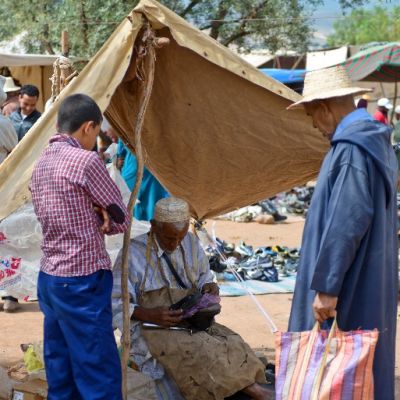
29 90
75 110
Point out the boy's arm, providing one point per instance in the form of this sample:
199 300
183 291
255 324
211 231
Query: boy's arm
105 194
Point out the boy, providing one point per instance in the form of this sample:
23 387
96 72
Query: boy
76 203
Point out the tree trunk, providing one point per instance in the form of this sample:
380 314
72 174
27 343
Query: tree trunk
83 20
219 20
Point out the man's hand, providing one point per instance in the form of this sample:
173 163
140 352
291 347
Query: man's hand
211 288
160 315
324 307
103 214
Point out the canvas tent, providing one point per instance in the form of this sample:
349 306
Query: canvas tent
216 131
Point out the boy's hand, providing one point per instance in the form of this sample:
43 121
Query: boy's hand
103 214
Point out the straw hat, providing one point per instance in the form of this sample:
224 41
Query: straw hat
10 85
327 83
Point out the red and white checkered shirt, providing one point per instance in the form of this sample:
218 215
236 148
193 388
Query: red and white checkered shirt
67 182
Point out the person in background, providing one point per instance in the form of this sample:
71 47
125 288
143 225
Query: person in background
8 140
349 263
26 115
12 102
381 113
108 152
150 191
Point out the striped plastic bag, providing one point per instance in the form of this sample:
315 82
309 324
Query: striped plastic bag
319 365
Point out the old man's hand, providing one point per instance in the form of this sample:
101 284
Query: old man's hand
211 288
324 307
158 315
165 317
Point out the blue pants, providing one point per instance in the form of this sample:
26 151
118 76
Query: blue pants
80 353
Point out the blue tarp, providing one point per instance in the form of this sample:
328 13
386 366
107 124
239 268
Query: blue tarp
285 76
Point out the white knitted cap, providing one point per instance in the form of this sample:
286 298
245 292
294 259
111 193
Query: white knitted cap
172 209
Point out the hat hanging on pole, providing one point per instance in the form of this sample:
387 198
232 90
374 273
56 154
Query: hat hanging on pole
327 83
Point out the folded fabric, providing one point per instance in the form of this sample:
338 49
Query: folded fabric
207 300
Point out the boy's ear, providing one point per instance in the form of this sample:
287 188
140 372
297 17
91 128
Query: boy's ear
86 126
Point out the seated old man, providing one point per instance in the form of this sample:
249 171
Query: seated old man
166 265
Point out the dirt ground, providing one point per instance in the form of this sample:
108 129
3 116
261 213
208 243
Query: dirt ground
238 313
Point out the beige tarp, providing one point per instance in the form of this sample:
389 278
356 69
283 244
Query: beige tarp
216 132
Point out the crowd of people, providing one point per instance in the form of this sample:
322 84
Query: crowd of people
348 268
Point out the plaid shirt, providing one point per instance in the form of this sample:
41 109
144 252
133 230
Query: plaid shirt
66 183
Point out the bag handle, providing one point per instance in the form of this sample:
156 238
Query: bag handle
320 375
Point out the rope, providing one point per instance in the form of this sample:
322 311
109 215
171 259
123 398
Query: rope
146 55
229 262
63 72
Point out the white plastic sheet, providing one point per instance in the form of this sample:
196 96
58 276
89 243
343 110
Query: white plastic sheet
20 240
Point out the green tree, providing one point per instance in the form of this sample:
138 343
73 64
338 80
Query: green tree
365 26
270 24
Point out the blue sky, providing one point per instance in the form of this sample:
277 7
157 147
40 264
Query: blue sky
328 13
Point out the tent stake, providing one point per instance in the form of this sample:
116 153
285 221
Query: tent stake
147 53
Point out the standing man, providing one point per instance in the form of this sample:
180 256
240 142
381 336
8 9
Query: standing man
12 102
8 137
381 113
348 265
76 203
26 115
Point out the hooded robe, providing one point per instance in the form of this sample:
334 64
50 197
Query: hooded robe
350 240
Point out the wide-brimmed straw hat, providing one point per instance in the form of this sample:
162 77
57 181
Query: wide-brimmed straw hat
10 85
327 83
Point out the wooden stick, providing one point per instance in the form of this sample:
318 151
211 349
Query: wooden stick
149 66
64 43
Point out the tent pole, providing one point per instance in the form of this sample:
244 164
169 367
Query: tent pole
147 53
394 101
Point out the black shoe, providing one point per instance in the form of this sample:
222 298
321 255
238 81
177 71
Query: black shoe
279 218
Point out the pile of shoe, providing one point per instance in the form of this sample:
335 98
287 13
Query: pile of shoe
265 264
296 201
